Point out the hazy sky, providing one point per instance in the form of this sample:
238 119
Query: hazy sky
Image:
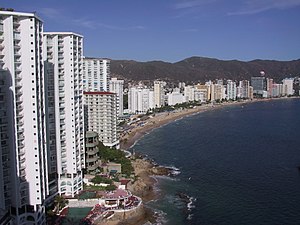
171 30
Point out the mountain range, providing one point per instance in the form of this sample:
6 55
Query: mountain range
200 69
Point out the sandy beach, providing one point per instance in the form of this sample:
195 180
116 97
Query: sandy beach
128 139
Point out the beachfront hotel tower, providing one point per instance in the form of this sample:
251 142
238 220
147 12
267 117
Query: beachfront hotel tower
116 86
101 116
26 182
231 90
63 72
96 74
159 94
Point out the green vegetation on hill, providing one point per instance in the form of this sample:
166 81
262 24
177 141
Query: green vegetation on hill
99 179
117 156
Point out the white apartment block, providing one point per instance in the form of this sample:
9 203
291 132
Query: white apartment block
63 54
244 89
26 182
159 93
231 90
288 86
140 100
175 98
96 74
202 92
189 93
101 116
116 86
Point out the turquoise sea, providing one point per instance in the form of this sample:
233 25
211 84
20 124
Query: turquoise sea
238 165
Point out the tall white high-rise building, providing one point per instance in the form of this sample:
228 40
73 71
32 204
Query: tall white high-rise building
96 74
159 94
116 86
244 89
287 84
63 54
231 90
189 93
26 182
101 116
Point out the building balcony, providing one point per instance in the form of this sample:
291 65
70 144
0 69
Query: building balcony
21 136
22 160
20 115
17 62
18 70
19 109
19 92
21 151
92 152
19 99
16 23
21 144
17 36
90 145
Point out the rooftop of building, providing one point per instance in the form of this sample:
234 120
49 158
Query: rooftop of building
67 33
98 93
95 58
10 12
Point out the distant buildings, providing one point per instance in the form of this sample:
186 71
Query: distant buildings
259 85
243 90
158 94
287 84
140 100
231 90
175 98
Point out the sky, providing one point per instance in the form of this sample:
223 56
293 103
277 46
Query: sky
172 30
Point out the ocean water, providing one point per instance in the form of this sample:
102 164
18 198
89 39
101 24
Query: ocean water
238 164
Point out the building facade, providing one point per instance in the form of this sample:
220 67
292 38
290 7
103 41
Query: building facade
259 85
116 86
231 90
63 55
26 183
158 94
96 74
101 116
287 84
140 100
92 152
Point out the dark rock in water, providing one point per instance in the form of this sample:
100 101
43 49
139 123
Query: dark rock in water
298 168
184 197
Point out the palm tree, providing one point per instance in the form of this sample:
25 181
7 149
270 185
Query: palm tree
60 202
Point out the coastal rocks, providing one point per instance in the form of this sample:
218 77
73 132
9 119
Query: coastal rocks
188 201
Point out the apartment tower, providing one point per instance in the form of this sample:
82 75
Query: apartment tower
101 116
116 86
26 183
96 74
158 94
63 69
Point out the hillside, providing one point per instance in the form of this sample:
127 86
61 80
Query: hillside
203 69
